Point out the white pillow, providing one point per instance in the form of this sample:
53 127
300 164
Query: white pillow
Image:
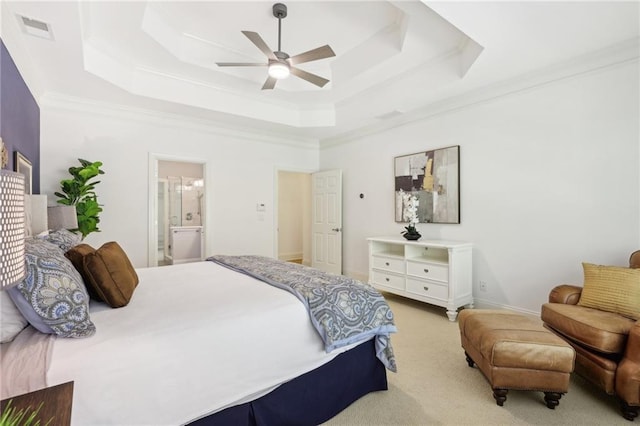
11 320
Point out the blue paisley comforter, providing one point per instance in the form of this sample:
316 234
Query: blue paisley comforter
342 310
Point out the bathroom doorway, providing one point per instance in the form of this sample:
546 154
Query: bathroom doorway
176 210
163 226
293 229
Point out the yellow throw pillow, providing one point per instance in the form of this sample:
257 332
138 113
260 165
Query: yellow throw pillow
612 289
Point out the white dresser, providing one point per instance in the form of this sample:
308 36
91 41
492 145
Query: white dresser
432 271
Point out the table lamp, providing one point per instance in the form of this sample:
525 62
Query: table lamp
62 217
12 228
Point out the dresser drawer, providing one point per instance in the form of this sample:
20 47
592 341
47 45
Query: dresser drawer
388 264
427 289
432 271
388 280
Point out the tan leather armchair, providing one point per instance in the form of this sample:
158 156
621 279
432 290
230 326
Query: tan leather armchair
607 344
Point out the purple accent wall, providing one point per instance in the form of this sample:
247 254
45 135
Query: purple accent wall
19 116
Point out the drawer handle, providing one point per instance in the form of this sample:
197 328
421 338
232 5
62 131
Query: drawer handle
387 279
386 263
426 288
426 270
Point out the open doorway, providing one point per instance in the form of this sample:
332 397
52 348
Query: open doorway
177 189
294 217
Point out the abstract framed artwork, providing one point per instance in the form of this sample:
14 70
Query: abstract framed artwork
22 165
433 177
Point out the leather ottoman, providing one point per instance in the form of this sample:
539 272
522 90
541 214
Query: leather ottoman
516 352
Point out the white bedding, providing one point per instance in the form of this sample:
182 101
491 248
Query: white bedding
195 339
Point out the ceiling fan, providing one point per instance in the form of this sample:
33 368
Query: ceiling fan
280 63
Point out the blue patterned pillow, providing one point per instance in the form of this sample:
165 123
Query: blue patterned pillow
52 295
64 239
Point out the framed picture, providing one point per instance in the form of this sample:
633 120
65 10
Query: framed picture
22 165
433 177
4 155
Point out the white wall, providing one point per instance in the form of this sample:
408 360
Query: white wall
178 169
240 173
549 179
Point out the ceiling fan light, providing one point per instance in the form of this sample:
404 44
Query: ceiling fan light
279 70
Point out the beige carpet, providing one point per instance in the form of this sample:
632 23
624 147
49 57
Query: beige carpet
435 386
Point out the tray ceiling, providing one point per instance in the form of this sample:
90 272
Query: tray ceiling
392 57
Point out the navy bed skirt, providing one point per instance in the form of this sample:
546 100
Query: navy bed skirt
312 398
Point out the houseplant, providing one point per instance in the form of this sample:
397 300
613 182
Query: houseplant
79 191
410 214
25 417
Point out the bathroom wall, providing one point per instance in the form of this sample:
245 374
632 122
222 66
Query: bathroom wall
185 200
186 190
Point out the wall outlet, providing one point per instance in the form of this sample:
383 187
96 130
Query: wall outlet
483 286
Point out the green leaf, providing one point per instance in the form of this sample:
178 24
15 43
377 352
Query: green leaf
80 192
24 417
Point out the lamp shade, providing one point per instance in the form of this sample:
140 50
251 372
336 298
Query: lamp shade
12 228
62 217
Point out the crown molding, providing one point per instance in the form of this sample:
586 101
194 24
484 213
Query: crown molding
154 117
621 54
627 52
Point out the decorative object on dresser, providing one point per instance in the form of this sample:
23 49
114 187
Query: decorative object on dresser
79 191
54 402
434 178
432 271
410 208
12 218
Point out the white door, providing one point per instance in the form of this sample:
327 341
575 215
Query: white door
326 227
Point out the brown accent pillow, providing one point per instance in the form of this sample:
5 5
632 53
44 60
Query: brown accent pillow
76 255
634 260
612 289
111 274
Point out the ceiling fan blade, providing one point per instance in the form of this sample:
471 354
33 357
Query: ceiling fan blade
269 84
312 55
240 64
260 44
311 78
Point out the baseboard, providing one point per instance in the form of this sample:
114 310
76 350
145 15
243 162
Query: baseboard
487 304
289 256
477 302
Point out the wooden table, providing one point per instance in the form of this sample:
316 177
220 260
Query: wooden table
57 404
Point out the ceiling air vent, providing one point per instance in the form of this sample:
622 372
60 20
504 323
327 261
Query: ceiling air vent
35 28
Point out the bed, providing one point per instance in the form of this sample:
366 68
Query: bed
201 343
